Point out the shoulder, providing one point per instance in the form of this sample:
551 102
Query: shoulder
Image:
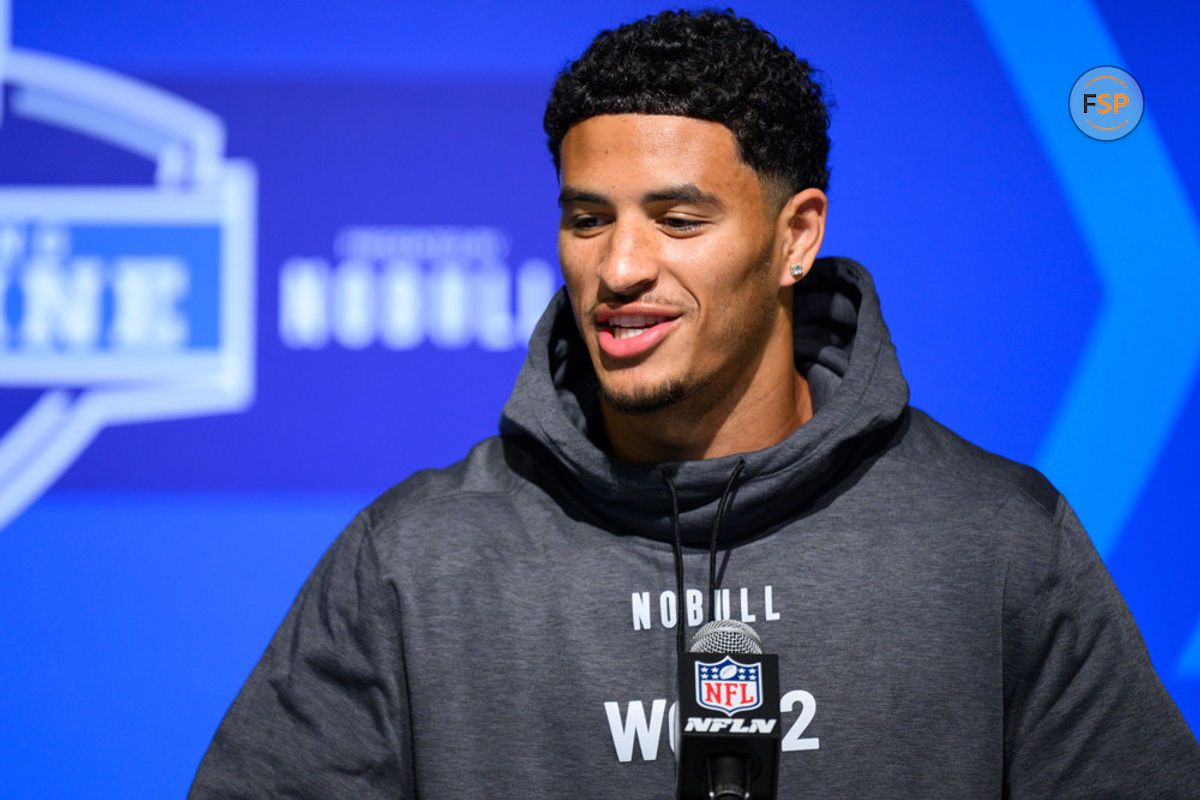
977 502
441 531
964 469
484 474
487 503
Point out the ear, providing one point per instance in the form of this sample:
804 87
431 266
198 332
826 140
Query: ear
799 230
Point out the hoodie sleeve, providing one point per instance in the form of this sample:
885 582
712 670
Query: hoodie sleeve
324 714
1087 715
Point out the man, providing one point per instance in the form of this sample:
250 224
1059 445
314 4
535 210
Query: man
706 387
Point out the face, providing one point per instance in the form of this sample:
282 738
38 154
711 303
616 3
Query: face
666 243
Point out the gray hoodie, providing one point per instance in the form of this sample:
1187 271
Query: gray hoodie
506 626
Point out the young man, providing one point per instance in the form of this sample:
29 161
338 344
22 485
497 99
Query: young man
706 386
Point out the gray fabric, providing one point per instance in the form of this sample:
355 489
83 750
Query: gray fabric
503 626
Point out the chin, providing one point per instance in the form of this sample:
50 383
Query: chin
643 399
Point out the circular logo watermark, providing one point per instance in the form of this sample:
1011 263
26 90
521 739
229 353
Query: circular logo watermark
1106 103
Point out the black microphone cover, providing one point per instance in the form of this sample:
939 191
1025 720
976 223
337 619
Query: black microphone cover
728 716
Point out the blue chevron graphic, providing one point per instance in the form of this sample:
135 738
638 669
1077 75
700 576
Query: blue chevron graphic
1139 249
1143 239
1189 662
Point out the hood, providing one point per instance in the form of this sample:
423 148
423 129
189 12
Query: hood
843 349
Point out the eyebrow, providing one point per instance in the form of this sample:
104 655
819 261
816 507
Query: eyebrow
570 194
683 193
680 193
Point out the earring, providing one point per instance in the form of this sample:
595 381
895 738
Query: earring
797 270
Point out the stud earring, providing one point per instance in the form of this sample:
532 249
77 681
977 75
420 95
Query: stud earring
797 270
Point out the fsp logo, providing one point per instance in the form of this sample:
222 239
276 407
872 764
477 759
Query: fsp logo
118 304
1106 103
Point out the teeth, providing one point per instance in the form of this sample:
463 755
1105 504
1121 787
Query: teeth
634 321
629 325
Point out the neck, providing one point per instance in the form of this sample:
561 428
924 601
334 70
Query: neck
760 411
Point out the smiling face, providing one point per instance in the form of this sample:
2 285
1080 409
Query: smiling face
672 249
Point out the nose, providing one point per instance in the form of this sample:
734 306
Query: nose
629 266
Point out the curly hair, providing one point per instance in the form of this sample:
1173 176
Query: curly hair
708 65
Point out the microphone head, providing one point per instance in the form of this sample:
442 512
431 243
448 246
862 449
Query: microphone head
726 636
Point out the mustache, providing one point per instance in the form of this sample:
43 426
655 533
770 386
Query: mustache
650 298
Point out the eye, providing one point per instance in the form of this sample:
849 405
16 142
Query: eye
583 223
682 224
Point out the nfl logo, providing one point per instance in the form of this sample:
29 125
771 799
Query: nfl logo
728 686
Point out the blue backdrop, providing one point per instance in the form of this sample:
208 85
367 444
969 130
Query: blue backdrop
259 261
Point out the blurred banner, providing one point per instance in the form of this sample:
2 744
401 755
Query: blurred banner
260 261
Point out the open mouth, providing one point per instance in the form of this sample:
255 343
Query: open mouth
629 326
623 335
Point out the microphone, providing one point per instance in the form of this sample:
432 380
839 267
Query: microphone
728 716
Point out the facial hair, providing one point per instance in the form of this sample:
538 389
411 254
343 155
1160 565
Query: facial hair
646 400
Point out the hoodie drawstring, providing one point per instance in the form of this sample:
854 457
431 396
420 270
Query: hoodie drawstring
679 639
680 612
712 547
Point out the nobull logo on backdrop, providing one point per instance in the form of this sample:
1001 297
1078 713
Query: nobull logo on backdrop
402 287
118 304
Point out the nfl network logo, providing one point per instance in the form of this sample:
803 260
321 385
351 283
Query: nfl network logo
118 304
728 686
